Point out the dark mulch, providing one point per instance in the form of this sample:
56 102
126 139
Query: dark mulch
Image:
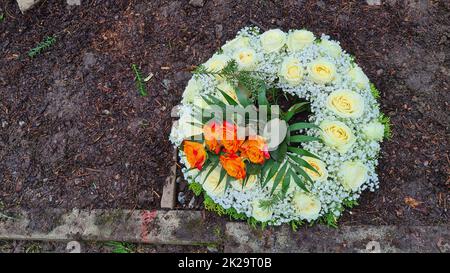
77 134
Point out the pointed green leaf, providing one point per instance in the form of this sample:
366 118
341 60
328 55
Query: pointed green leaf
302 125
262 98
280 153
303 163
286 181
206 165
296 108
298 181
272 172
303 138
302 152
302 172
229 99
278 177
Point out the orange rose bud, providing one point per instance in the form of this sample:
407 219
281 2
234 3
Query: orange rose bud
230 140
255 149
212 131
195 153
234 165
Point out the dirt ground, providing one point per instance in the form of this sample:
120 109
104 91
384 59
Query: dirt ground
76 134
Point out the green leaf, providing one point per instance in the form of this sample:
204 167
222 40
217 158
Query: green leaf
302 172
303 163
272 172
242 97
280 153
302 152
228 182
229 99
278 177
262 98
303 138
267 165
286 181
302 125
222 175
253 168
298 181
206 165
295 109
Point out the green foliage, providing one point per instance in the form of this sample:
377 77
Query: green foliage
214 207
196 188
269 203
374 91
44 45
2 17
140 85
295 224
121 247
350 203
329 219
386 121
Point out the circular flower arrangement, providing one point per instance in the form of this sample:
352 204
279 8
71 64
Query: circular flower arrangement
328 128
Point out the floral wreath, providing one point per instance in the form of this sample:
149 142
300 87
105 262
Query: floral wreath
333 122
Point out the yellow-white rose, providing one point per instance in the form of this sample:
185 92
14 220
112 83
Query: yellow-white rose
261 214
217 62
192 90
238 42
337 135
273 40
299 39
291 71
211 184
352 174
246 58
306 205
319 166
322 71
346 103
374 131
331 47
358 77
249 185
229 90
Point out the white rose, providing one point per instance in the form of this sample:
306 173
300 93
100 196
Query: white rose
299 39
358 77
319 166
352 175
273 40
192 90
346 103
374 131
306 205
211 184
337 135
291 71
332 48
322 71
261 214
217 62
238 42
246 58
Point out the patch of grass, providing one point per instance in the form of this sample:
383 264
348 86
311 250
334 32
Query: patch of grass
386 121
42 46
196 188
121 247
374 90
140 85
33 248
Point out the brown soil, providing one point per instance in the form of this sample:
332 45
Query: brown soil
77 134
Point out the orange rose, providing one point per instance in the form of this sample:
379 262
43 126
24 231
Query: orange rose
255 149
230 140
195 153
234 165
211 131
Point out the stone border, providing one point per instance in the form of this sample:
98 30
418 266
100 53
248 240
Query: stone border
183 227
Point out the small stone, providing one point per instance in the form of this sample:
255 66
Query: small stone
89 60
373 2
379 72
212 249
191 203
25 5
197 3
219 31
73 2
106 112
4 124
21 123
181 198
